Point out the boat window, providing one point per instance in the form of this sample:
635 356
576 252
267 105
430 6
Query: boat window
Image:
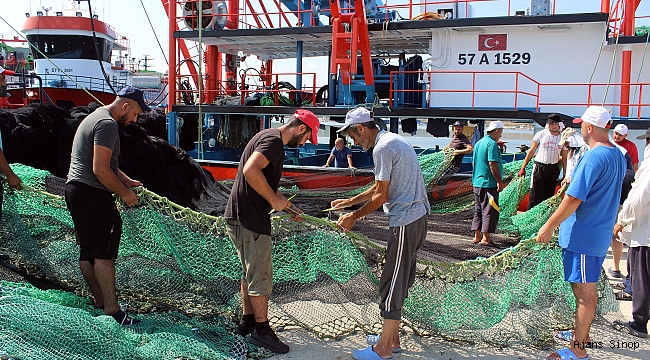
70 47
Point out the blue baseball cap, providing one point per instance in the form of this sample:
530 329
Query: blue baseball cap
136 95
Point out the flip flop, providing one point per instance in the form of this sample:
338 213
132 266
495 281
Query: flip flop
629 328
566 335
367 354
372 340
623 296
567 354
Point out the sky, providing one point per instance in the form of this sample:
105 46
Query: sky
128 18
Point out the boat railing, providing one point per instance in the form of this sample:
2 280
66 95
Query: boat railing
480 83
518 91
80 82
594 93
281 92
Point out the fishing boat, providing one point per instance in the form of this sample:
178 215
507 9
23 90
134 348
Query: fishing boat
438 61
76 59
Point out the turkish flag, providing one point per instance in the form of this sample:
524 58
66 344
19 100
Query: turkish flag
492 42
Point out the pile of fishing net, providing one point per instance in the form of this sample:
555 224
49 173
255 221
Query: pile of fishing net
41 136
179 273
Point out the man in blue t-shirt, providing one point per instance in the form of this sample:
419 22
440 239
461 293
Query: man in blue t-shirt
486 180
341 154
586 218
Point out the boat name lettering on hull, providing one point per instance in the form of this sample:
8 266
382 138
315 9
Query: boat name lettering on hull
56 70
500 58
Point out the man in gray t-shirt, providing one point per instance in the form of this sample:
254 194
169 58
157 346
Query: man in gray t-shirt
399 187
93 177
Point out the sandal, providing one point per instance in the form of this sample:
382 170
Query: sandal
123 319
566 335
615 273
623 296
567 354
372 340
630 328
618 286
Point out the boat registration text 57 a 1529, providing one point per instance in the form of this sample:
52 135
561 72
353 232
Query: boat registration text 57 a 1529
57 70
499 58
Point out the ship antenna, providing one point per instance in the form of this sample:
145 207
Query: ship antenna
101 66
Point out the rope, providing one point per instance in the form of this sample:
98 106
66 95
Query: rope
647 37
154 32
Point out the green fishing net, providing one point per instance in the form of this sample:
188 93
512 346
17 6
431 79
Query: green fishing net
178 272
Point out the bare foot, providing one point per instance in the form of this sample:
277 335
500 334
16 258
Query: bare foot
476 240
484 242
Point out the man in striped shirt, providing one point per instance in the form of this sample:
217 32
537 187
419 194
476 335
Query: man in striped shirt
549 154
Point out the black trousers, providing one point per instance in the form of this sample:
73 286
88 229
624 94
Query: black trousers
543 183
486 217
638 258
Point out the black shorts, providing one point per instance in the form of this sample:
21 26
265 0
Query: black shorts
97 222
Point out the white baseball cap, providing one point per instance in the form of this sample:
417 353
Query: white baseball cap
494 125
359 115
4 71
596 116
621 129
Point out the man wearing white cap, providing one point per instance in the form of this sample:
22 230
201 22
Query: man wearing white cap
487 183
586 218
620 137
399 187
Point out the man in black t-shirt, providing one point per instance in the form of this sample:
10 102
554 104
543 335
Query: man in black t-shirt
461 145
254 194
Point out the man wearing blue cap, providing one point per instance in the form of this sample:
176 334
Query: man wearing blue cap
93 177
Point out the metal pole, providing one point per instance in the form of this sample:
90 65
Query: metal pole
171 74
200 82
299 65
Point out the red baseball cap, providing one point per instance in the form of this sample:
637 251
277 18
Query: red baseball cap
6 72
310 120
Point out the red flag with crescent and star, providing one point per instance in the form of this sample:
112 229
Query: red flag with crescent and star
492 42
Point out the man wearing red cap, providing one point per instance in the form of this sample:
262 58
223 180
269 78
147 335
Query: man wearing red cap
254 194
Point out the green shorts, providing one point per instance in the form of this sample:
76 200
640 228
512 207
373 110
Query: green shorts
254 252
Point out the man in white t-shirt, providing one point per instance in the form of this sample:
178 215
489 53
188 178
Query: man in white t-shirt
550 152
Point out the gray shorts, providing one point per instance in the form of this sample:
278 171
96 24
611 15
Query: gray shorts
254 252
399 271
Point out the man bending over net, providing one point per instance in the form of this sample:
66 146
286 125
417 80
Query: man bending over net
93 178
399 187
254 194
